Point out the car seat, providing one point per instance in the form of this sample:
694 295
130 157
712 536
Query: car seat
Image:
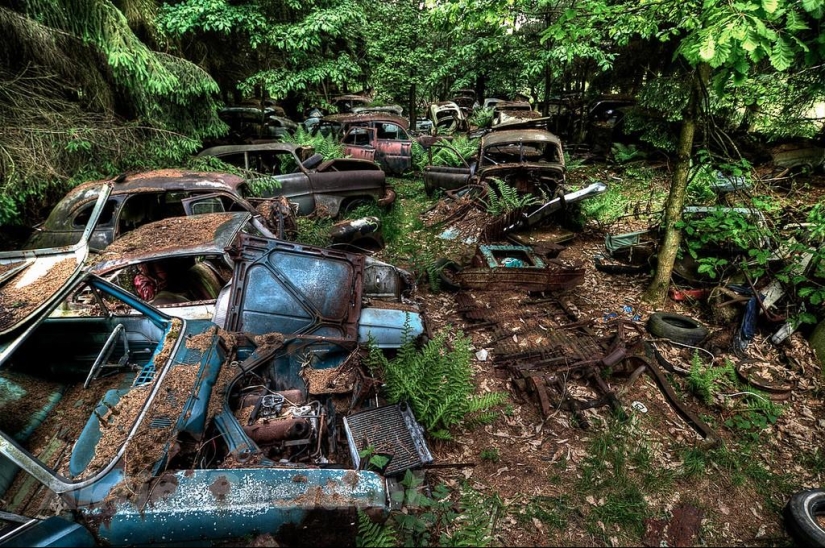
203 281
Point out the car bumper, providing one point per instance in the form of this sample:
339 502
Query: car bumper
388 199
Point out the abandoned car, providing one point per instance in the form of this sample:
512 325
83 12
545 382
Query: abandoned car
447 118
379 138
207 266
248 124
529 161
346 103
465 98
132 427
508 111
322 187
145 197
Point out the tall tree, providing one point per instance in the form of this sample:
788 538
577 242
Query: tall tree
718 45
278 49
82 95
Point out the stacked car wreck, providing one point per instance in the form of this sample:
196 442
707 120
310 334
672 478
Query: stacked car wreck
148 425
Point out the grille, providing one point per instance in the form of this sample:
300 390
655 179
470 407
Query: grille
392 431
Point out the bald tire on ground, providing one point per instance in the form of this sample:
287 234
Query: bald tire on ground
677 328
800 517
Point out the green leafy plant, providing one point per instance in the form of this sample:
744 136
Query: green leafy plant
482 118
436 381
490 454
626 153
380 535
373 460
503 198
451 154
325 145
437 519
706 381
313 231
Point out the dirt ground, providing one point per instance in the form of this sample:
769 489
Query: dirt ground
559 483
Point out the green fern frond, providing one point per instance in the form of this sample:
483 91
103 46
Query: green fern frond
485 402
503 198
373 534
435 380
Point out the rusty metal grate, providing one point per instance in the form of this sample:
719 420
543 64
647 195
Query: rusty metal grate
391 431
557 343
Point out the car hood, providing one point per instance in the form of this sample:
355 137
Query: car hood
194 235
32 280
285 287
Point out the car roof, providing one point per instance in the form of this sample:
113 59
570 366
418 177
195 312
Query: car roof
259 147
193 235
162 180
516 135
366 117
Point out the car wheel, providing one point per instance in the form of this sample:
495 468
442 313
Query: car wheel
351 205
446 271
676 327
801 517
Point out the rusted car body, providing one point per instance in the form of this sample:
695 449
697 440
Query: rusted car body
508 111
199 268
395 110
465 98
508 267
346 103
132 427
248 124
316 185
447 118
145 197
379 138
530 160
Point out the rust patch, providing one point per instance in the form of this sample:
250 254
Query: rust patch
164 486
220 487
351 478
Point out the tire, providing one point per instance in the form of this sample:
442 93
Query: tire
446 270
351 205
800 517
677 328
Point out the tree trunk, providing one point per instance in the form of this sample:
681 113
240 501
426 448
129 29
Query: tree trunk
656 292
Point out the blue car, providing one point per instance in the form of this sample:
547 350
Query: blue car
123 425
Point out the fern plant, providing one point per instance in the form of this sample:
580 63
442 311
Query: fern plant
435 381
373 534
325 145
503 198
704 381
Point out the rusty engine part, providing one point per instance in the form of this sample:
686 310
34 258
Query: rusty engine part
278 430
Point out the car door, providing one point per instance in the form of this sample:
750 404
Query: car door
289 288
393 148
359 142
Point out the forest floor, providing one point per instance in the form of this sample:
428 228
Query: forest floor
647 478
